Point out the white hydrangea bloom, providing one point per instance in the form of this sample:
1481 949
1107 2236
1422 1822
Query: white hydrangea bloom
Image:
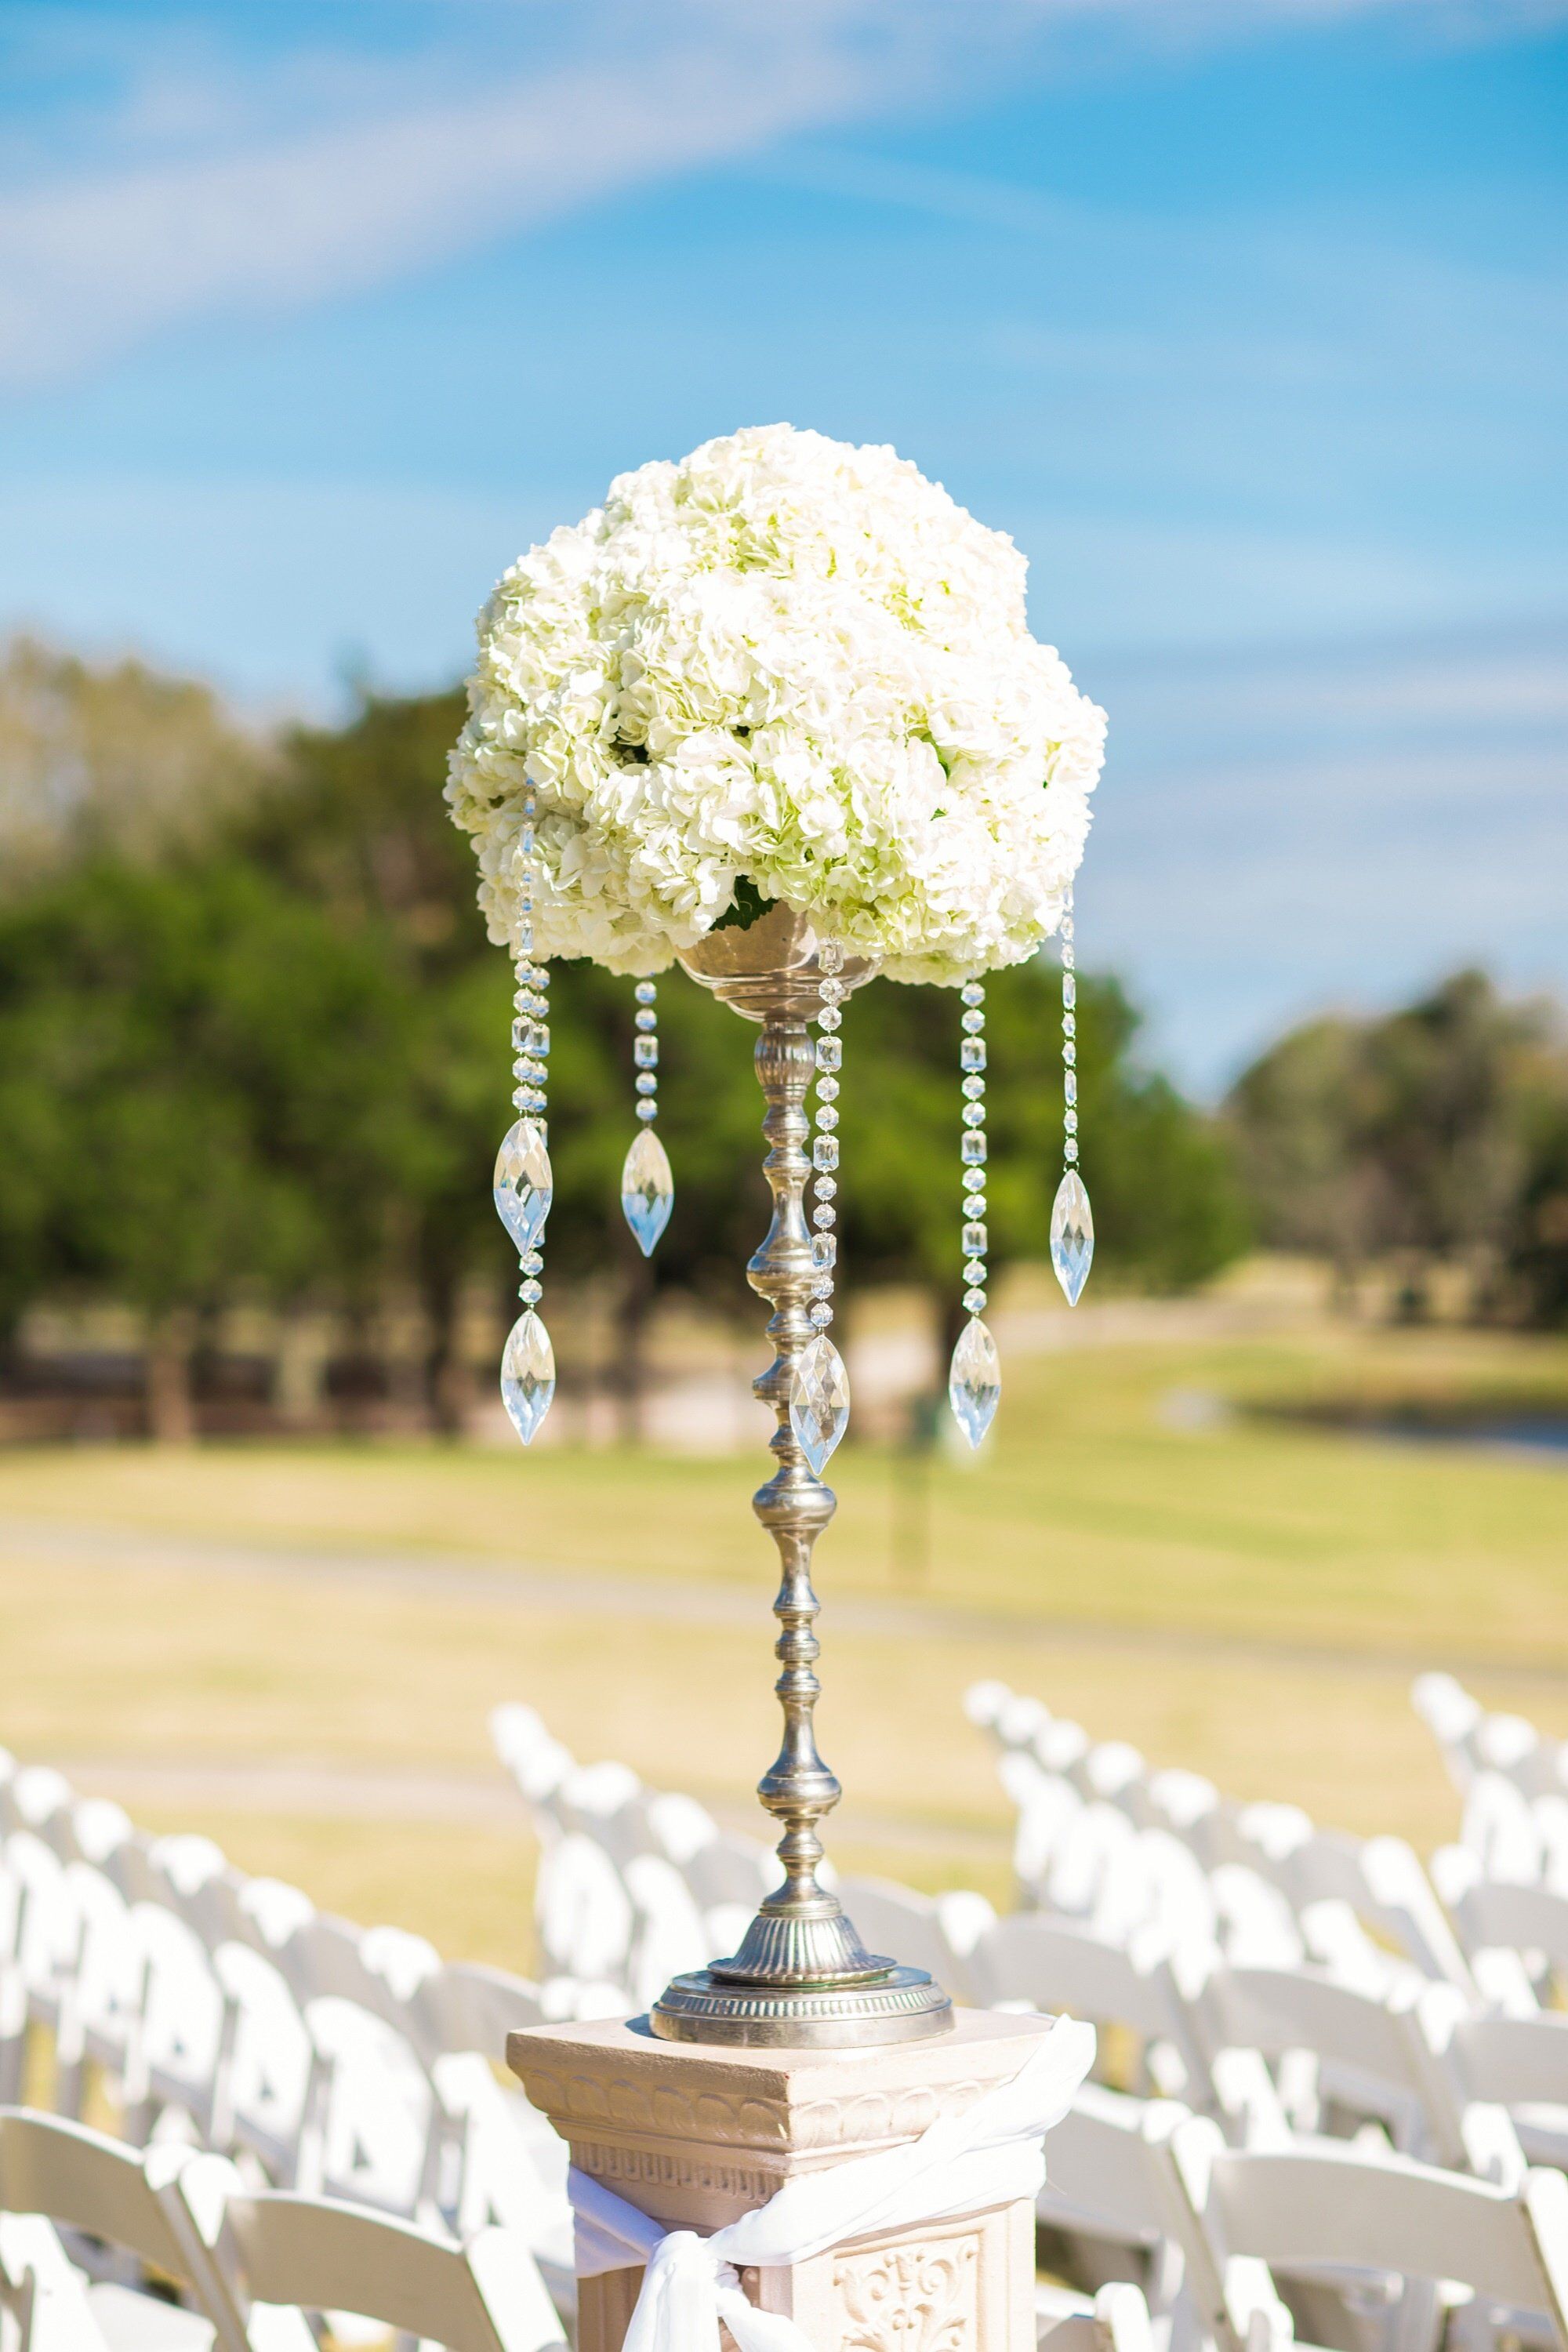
788 660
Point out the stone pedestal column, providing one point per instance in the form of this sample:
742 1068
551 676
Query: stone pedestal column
697 2135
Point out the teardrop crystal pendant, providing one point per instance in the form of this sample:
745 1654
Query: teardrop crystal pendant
528 1375
523 1184
647 1189
1072 1236
819 1403
974 1381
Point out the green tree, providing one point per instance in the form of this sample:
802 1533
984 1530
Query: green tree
111 761
1411 1133
1167 1209
193 1057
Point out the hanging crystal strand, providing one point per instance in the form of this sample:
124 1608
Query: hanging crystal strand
524 1185
1072 1220
974 1376
819 1398
648 1187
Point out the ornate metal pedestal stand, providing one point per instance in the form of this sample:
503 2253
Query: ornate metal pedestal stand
802 1977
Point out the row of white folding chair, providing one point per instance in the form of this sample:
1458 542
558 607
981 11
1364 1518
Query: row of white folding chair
1272 1874
1268 1873
633 1885
334 2057
250 2264
154 1961
1341 2049
613 1849
254 2264
1207 2226
1270 2051
1473 1740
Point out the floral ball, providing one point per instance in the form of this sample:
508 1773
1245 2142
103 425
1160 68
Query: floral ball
787 662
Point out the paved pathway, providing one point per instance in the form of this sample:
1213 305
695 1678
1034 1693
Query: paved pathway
451 1577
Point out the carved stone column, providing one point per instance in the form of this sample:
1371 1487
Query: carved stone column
698 2134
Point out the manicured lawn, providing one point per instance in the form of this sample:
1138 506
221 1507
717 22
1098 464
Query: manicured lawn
1298 1573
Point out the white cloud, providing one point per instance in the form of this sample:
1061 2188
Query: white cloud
89 264
235 184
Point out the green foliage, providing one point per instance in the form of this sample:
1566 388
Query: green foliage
1167 1208
1434 1130
275 1062
191 1127
113 761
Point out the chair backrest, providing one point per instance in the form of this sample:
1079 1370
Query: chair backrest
487 2296
98 1829
380 1970
1500 1830
83 2180
1488 1911
1453 1717
468 2007
581 1910
1108 2167
1367 2047
1333 2207
938 1933
42 1799
536 1761
1515 2061
1056 1964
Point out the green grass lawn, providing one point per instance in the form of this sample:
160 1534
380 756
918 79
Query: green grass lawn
1342 1559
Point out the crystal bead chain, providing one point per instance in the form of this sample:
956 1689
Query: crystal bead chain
645 1052
648 1187
972 1061
1069 1035
530 1029
825 1143
819 1388
523 1185
1072 1220
975 1376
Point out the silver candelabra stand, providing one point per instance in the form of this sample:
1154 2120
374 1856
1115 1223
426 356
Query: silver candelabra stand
802 1976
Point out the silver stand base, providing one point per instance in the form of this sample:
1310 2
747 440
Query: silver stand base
900 2005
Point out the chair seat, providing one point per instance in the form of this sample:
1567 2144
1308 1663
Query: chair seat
145 2322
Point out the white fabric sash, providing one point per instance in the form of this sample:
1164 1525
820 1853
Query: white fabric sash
988 2156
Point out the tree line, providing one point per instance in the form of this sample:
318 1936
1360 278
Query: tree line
254 1046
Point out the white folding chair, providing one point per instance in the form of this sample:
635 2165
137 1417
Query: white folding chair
1056 1965
272 2258
49 1931
123 2198
379 2137
583 1914
177 2061
1517 2063
1453 1717
935 1932
1378 1883
720 1867
1332 2210
1114 2320
1112 2192
1492 1916
100 2015
510 2163
1359 2056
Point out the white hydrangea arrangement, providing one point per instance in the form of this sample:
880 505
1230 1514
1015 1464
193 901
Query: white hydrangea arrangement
784 669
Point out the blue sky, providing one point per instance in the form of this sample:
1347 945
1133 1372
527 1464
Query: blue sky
1245 317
